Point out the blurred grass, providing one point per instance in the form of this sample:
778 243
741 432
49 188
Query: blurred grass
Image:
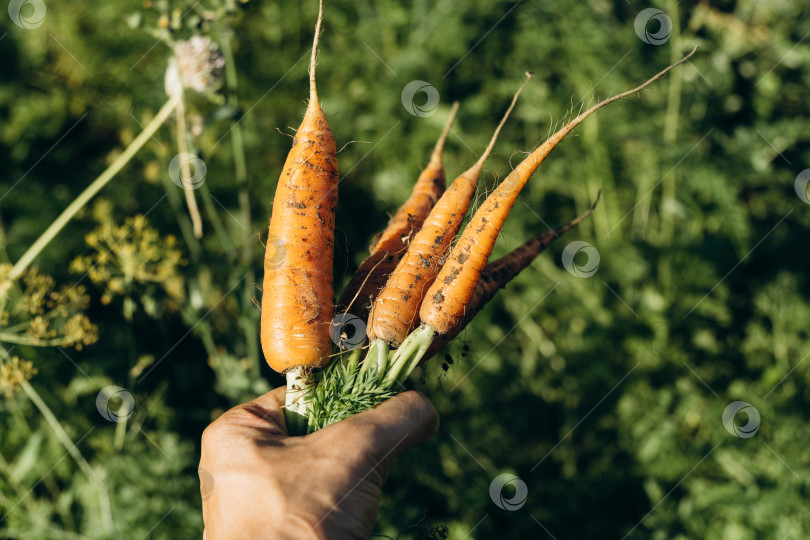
604 395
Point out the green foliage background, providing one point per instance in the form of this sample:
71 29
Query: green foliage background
604 395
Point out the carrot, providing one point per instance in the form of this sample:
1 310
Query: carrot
449 297
463 284
394 311
427 190
297 303
497 274
388 247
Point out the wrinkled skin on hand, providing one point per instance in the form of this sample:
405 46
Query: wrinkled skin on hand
258 482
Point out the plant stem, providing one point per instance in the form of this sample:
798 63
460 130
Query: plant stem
183 220
352 358
22 495
216 221
185 170
296 411
668 188
16 412
120 429
376 359
207 337
349 360
85 196
249 325
3 250
407 357
243 184
64 438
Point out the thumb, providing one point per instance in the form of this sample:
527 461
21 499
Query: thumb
388 429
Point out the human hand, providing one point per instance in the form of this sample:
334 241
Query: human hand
258 482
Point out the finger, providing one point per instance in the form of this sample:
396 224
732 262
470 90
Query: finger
388 429
265 412
273 399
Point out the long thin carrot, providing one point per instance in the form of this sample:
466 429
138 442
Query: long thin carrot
447 299
394 311
497 274
389 246
297 303
427 190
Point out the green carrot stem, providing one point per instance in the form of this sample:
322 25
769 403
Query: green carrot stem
352 358
380 357
376 358
90 191
296 406
407 356
349 361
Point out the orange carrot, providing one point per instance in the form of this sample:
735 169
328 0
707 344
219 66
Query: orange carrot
298 293
447 299
389 246
394 311
497 274
427 190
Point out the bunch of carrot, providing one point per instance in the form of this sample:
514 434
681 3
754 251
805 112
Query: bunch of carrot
417 288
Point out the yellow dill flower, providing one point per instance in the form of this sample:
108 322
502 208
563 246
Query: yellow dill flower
14 373
34 311
132 254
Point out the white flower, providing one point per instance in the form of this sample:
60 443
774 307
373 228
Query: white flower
197 64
